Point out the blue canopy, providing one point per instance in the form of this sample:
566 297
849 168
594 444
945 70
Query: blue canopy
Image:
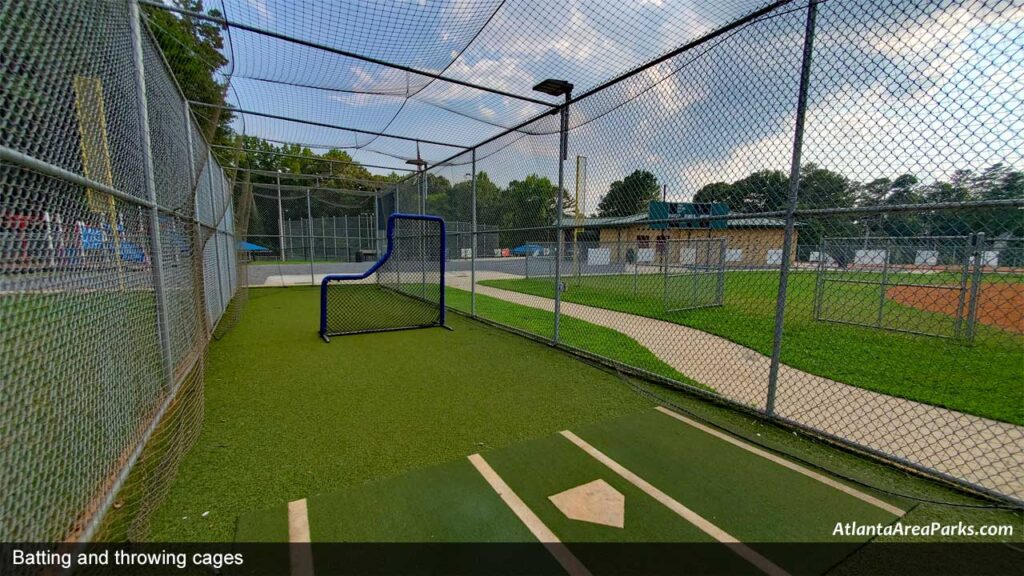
250 247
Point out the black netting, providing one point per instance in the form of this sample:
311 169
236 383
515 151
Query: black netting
405 291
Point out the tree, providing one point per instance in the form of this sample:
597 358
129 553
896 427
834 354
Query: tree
822 188
488 200
762 191
629 196
193 51
722 192
531 203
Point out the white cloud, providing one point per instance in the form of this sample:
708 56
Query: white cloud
262 10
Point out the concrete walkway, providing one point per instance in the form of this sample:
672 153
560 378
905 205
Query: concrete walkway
979 450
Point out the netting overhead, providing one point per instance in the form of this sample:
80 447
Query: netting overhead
452 72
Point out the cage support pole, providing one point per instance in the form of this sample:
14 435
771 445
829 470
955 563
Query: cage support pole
193 182
423 210
723 250
884 285
376 225
473 243
280 217
819 281
216 238
309 227
965 267
563 135
163 317
794 191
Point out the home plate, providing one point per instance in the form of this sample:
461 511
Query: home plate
595 502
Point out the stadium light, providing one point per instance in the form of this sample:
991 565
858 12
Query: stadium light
554 87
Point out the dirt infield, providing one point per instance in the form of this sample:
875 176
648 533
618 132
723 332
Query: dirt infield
999 304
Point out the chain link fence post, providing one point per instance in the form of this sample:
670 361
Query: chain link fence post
794 192
563 136
972 307
473 244
309 235
156 260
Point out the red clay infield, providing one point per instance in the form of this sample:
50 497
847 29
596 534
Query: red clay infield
999 304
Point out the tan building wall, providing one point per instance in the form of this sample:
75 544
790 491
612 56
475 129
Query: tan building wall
745 247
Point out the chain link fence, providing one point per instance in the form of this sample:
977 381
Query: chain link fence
809 210
118 260
864 280
298 234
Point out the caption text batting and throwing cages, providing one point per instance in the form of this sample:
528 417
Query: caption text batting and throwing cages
847 177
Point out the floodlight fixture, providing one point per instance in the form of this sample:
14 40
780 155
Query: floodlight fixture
554 87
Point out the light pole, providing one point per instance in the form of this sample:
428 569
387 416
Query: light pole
559 88
421 168
280 216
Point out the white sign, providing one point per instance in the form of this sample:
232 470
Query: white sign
816 257
870 257
774 256
599 256
466 253
644 255
733 254
926 258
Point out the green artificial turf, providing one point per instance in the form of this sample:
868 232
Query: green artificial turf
752 498
758 501
288 416
985 379
448 503
575 333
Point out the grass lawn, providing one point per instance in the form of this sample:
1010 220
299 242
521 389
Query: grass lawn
577 333
985 379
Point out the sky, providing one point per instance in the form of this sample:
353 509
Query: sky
895 86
